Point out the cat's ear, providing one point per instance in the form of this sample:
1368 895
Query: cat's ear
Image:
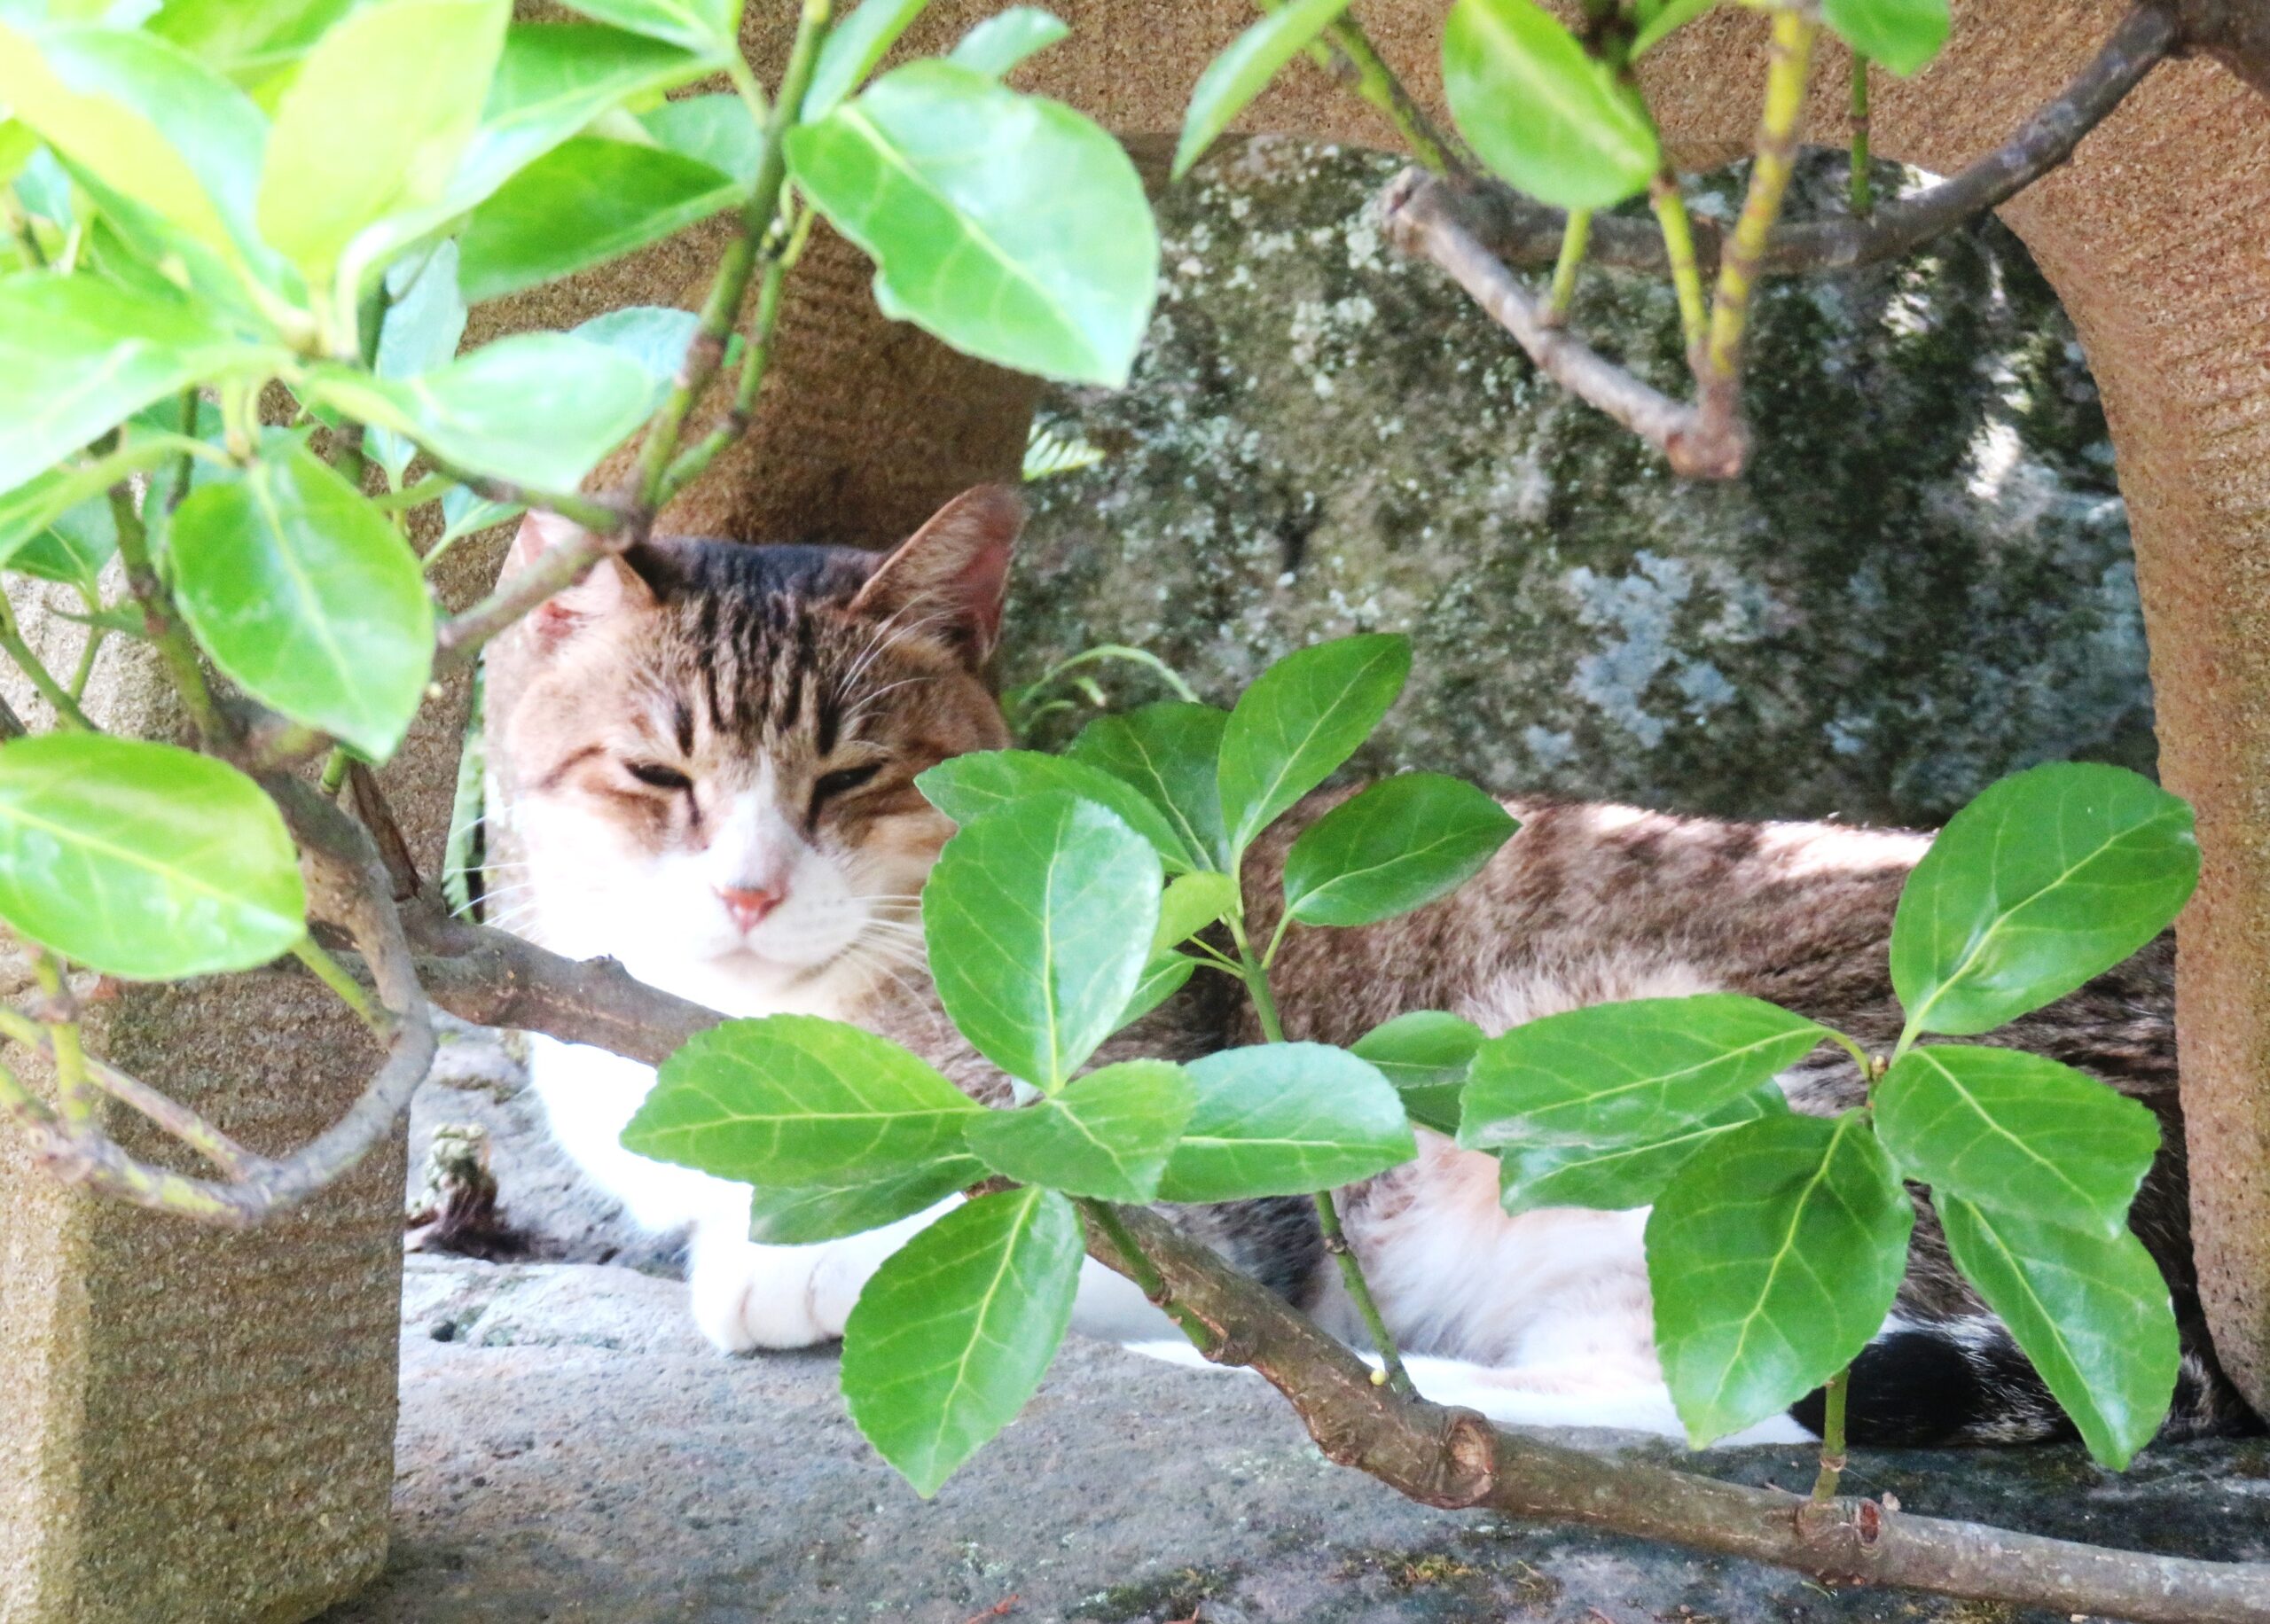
956 566
611 587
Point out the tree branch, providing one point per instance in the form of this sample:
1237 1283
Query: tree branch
1420 217
1521 233
1456 1459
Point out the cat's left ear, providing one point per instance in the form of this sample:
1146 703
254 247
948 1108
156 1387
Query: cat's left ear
956 566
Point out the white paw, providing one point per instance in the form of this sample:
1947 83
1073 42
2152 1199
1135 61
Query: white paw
747 1296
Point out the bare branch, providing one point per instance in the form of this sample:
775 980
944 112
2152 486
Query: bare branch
1421 222
1528 234
1455 1458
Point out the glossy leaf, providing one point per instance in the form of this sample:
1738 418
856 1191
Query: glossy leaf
998 44
142 860
1301 719
655 337
796 1100
1634 1072
1773 1258
423 322
538 409
956 1329
1399 844
374 124
2045 879
582 204
967 787
1902 35
1009 226
304 596
1425 1054
1164 976
855 44
805 1215
1550 118
77 354
1243 71
1616 1174
717 130
464 511
250 44
2091 1312
1106 1136
1169 753
1191 902
144 118
709 26
1039 919
1283 1120
2016 1133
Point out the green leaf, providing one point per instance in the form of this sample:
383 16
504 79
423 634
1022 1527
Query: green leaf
77 354
1399 844
1617 1174
1635 1072
464 511
794 1099
1193 902
375 123
1902 35
1425 1054
1773 1258
709 26
250 44
143 861
2092 1313
805 1215
967 787
74 548
1163 978
998 44
1169 752
585 202
1551 120
2017 1134
538 409
303 594
854 45
1106 1136
2045 879
1011 226
1659 22
1303 717
956 1329
144 118
1243 71
713 129
1285 1120
1039 919
421 332
40 502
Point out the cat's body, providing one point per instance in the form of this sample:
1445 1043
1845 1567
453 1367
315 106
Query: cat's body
714 759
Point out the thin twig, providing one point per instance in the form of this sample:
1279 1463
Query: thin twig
67 714
1422 221
1859 189
162 624
1523 233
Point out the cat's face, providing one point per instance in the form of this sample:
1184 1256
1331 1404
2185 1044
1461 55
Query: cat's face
715 750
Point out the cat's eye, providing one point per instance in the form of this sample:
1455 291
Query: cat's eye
841 783
656 775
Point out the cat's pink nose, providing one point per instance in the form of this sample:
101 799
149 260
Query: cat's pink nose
748 906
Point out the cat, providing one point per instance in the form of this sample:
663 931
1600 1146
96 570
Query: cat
715 754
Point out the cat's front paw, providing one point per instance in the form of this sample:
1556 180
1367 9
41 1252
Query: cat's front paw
747 1296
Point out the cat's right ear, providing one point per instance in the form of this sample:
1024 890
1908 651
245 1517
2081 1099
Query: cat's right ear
956 568
609 587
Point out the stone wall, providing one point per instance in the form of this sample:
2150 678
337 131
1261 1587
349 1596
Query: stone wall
1922 584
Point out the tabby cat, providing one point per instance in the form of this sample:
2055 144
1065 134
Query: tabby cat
715 757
